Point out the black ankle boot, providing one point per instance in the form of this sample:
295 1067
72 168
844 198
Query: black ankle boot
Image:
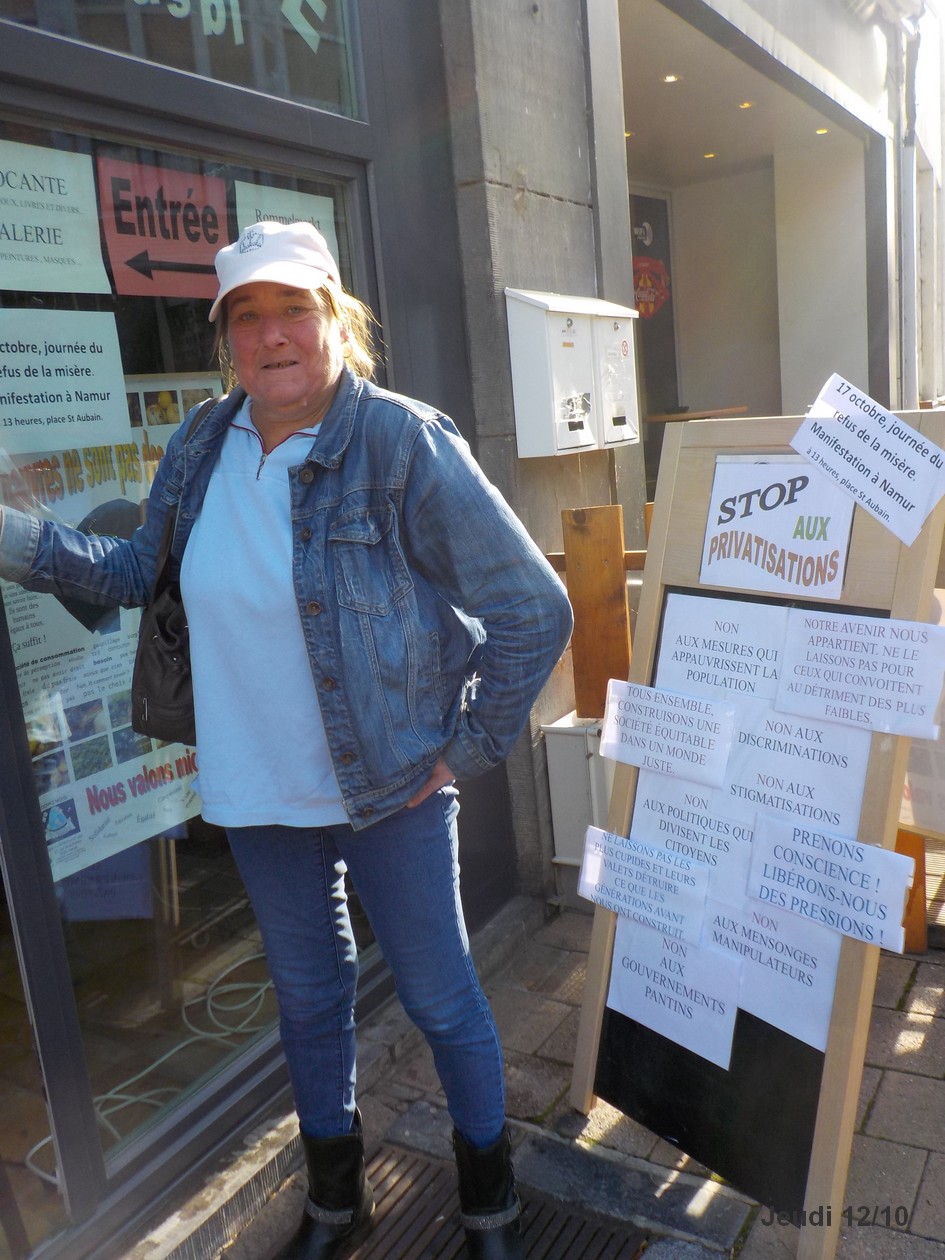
491 1211
340 1199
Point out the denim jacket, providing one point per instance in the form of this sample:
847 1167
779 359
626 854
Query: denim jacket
430 618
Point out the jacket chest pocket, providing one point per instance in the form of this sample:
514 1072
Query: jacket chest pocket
371 574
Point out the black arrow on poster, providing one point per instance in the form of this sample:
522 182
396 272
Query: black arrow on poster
145 265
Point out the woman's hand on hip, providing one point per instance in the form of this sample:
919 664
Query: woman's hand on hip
440 775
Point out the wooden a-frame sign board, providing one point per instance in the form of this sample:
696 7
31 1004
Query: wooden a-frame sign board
778 1092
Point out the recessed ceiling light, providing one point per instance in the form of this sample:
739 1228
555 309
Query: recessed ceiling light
746 104
708 155
671 78
627 135
821 131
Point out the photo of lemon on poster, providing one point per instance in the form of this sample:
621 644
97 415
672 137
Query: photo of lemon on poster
158 401
162 407
192 397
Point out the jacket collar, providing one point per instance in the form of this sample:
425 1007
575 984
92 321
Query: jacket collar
338 424
333 437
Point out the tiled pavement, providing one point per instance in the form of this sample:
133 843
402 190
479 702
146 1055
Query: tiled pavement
606 1162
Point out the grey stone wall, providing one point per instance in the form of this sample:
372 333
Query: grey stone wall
528 205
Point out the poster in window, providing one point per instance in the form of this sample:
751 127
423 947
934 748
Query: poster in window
102 787
49 238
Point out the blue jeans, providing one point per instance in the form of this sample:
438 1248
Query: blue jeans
405 869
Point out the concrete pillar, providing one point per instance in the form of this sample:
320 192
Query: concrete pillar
527 179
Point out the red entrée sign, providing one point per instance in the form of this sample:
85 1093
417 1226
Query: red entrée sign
162 228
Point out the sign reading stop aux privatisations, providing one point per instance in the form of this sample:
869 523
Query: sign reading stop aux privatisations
776 526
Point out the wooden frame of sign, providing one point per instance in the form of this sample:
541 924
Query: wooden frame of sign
882 575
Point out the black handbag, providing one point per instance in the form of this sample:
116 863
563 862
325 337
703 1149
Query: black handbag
162 693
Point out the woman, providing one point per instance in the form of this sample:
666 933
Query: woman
368 622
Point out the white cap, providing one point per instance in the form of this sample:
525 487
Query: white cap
284 253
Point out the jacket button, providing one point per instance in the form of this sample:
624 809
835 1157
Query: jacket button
306 533
329 684
313 607
348 758
307 476
368 812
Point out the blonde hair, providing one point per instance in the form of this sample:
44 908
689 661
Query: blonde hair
357 323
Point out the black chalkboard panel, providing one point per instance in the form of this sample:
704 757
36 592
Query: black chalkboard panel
752 1124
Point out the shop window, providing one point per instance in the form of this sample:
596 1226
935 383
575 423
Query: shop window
106 263
301 50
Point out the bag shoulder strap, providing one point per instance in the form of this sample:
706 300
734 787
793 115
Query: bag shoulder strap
202 412
170 521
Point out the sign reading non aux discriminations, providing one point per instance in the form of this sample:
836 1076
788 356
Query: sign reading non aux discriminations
880 461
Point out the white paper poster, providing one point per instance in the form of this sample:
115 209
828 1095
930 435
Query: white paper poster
805 770
834 880
61 382
665 890
715 646
870 672
878 460
690 822
775 526
788 966
49 237
102 787
687 994
923 793
255 203
777 763
688 737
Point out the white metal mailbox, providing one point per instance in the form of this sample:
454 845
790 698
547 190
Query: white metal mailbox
618 411
574 381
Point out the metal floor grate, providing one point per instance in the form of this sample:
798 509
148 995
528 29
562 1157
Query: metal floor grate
418 1218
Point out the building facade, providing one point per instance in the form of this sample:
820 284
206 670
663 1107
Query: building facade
449 149
138 1030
